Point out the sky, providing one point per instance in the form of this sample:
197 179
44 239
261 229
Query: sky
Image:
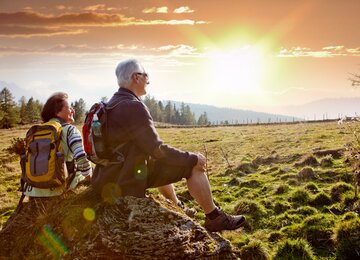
262 55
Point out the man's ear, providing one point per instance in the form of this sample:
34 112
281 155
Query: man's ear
136 77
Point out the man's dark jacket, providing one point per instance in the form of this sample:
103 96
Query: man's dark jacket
129 122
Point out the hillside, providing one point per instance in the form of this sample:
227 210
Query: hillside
294 183
233 116
329 108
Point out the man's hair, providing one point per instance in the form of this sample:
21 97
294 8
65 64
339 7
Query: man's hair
53 105
125 69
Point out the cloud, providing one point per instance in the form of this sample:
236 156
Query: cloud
28 9
179 50
334 48
72 49
99 7
159 10
168 51
355 51
28 32
28 24
325 52
60 7
183 9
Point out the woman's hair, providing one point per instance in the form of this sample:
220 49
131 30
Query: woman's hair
53 105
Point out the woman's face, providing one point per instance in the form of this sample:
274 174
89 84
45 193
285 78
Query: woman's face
66 113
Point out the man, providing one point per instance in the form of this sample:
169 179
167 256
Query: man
148 161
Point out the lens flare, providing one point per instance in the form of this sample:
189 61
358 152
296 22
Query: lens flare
51 242
110 192
89 214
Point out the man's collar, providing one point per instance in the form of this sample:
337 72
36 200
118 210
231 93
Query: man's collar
122 89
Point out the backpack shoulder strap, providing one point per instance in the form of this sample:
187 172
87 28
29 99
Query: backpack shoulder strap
68 128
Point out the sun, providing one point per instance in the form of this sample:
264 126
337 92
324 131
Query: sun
238 70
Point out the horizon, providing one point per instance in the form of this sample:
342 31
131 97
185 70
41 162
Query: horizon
251 55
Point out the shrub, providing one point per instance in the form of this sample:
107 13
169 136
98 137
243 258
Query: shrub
284 220
321 199
250 184
275 236
255 250
318 229
293 182
349 200
312 187
234 182
306 173
338 189
308 160
293 250
304 211
300 196
327 161
280 207
282 188
252 208
337 208
350 215
293 231
346 238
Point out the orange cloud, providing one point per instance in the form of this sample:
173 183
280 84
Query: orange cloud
99 7
28 32
183 9
159 10
27 22
325 52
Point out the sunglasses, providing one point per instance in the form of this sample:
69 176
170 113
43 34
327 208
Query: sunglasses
143 74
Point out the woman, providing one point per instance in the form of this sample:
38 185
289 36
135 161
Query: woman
57 108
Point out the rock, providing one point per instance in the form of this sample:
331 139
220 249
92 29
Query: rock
82 227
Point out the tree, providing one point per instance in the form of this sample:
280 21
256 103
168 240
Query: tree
168 113
203 119
79 107
8 108
33 110
355 80
22 110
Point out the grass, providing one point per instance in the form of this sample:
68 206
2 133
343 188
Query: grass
293 197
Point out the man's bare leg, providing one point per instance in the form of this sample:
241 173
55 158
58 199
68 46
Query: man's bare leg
199 188
168 192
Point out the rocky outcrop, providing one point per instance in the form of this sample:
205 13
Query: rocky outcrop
83 227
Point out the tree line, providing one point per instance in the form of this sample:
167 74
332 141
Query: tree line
25 111
170 114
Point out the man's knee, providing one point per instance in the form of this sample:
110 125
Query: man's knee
196 173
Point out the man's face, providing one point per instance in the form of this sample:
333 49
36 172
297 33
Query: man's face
142 79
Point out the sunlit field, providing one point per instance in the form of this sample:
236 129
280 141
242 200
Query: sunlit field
290 180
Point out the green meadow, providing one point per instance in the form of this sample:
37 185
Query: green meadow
293 182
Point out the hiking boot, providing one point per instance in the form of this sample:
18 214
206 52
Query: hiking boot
225 222
190 212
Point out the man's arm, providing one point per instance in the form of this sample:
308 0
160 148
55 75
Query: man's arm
145 136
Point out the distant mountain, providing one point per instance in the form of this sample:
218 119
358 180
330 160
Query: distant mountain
219 114
329 108
16 91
